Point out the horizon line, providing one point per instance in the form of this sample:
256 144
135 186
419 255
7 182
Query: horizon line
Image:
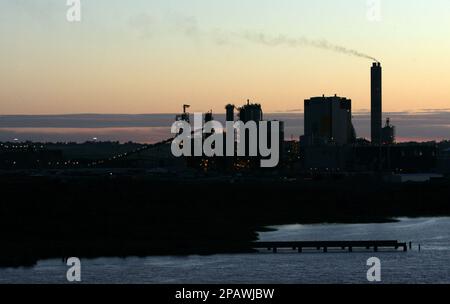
299 111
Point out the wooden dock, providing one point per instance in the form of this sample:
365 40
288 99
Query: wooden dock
326 245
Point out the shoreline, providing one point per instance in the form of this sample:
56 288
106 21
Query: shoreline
28 261
183 255
137 216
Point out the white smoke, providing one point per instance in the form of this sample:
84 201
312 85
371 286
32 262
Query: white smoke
281 40
189 27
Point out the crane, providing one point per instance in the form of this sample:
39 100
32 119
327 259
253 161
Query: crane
185 115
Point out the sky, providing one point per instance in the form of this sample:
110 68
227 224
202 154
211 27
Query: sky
152 56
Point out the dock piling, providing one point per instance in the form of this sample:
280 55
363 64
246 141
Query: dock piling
326 245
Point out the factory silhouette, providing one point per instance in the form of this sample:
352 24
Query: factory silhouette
330 143
329 146
241 144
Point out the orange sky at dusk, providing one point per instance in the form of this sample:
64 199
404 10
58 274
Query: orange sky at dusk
152 57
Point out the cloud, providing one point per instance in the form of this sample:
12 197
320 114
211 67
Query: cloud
442 110
147 25
290 111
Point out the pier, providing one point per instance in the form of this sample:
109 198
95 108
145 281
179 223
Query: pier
327 245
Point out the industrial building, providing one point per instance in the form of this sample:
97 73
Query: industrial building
404 158
185 115
330 143
250 112
388 133
253 112
230 112
444 160
328 120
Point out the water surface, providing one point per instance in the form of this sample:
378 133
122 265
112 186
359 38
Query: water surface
430 265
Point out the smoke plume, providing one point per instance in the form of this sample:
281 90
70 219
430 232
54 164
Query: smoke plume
147 25
280 40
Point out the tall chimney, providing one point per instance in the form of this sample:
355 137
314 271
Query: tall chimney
376 107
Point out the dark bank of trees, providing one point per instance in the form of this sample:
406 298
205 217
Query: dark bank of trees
43 217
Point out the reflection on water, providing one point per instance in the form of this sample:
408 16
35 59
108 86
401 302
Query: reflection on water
431 265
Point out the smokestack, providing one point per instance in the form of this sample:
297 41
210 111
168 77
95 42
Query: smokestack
376 107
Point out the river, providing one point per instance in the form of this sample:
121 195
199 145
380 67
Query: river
430 265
